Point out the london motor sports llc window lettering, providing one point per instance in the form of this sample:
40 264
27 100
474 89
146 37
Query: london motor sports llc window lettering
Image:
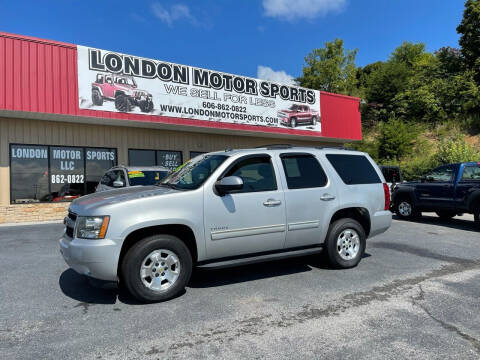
67 173
41 173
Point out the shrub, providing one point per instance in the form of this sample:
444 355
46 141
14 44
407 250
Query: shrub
455 149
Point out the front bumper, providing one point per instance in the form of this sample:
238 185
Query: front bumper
95 258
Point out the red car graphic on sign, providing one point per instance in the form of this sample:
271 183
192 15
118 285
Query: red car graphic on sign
298 115
121 89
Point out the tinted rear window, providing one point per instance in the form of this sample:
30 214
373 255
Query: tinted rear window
354 169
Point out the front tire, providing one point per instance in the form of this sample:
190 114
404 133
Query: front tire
157 268
314 120
146 106
345 243
293 122
122 103
405 209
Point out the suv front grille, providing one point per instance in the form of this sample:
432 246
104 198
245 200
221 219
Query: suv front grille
69 231
70 223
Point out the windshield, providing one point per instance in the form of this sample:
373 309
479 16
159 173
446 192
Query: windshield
138 177
192 174
126 81
293 107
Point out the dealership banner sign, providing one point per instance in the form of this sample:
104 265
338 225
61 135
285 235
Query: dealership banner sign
111 81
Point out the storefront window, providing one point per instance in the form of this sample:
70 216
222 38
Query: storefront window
29 173
98 161
67 173
169 159
56 173
196 153
141 157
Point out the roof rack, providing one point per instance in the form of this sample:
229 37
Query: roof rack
333 148
276 146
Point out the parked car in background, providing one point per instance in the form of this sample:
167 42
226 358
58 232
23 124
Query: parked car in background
298 115
229 208
123 176
447 190
392 175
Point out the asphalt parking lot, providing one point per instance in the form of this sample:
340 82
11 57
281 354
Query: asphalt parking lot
416 294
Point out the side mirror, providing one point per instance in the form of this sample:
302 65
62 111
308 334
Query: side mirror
118 184
228 184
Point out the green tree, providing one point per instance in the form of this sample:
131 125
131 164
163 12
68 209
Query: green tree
396 139
331 68
469 30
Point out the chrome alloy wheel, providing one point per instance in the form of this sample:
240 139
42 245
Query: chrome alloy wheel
160 270
348 244
405 209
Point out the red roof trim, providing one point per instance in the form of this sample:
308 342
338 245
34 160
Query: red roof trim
37 40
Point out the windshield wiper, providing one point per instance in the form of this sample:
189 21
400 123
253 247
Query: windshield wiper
169 185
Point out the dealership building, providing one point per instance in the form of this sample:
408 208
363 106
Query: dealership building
68 113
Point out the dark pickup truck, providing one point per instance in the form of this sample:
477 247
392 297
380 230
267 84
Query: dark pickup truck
447 190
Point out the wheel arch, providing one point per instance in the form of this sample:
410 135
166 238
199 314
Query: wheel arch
183 232
96 87
404 193
473 200
359 214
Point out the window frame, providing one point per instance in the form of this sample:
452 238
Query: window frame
83 148
246 157
292 154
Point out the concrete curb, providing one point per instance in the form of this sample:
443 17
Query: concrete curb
31 223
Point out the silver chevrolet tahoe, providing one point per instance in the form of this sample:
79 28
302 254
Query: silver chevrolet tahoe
229 208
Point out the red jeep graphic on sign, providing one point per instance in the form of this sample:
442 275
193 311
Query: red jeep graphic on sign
121 89
298 115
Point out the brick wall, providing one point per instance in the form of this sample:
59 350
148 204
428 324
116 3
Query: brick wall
33 212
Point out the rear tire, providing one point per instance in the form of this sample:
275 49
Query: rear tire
405 209
345 243
445 215
314 120
97 98
293 122
157 268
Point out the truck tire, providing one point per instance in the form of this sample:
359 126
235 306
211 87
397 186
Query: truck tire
445 215
345 243
157 268
293 122
146 106
97 98
476 214
405 209
122 103
314 120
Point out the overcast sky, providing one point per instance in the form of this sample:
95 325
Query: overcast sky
265 38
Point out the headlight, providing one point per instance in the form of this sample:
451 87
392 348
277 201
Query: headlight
92 227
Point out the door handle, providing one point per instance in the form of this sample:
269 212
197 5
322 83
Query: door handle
272 202
327 197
